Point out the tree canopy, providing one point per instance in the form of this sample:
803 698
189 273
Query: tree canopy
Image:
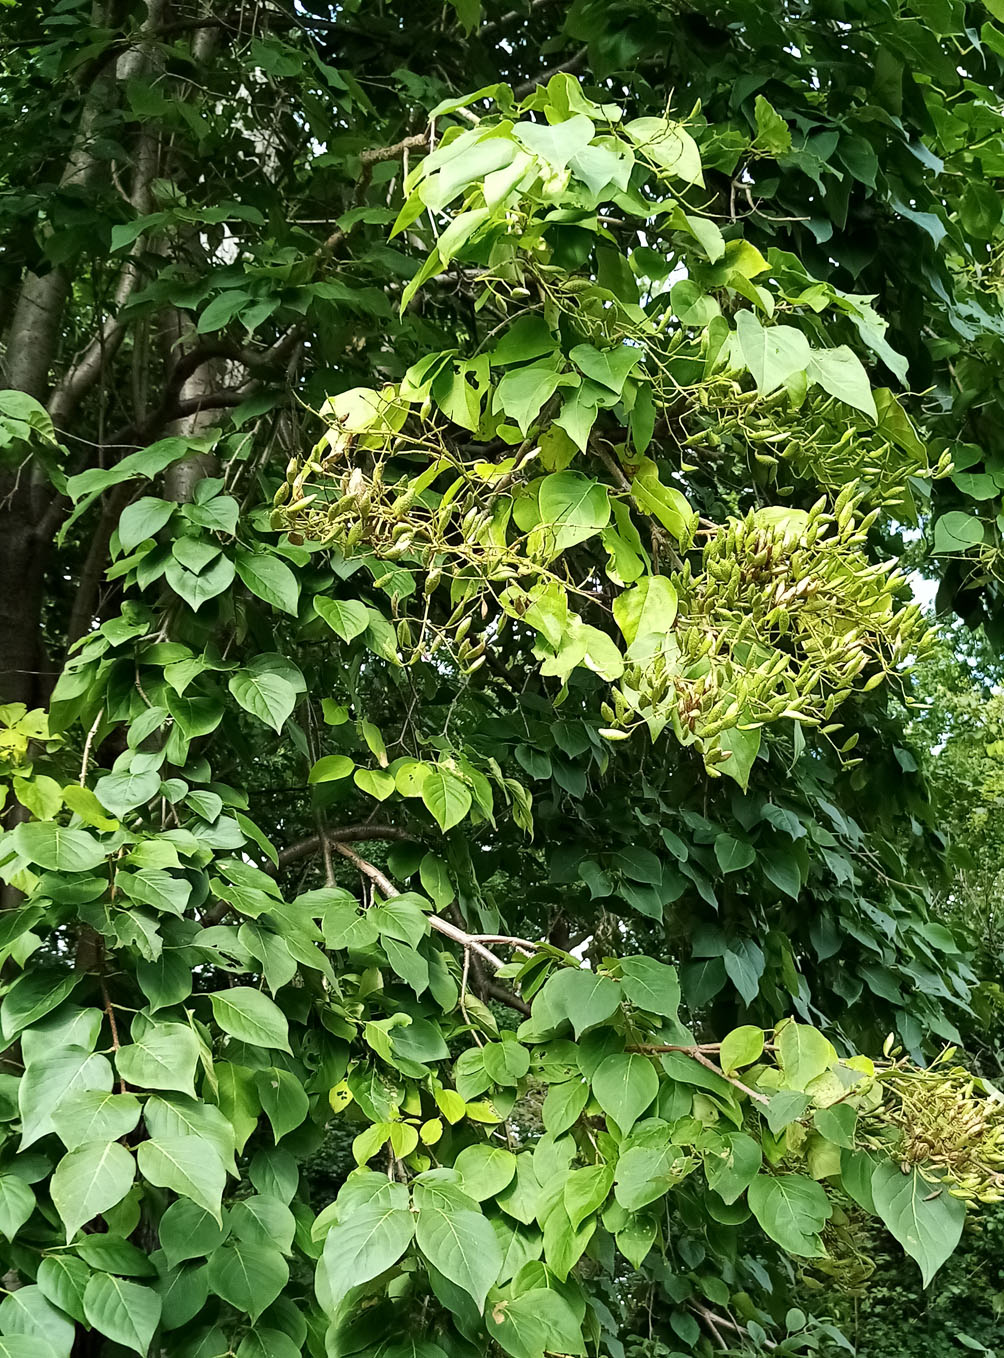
466 473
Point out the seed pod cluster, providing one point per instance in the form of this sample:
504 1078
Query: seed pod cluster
786 618
946 1122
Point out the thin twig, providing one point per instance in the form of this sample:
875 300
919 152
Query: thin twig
436 922
697 1053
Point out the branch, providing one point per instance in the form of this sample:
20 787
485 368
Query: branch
441 926
346 835
572 64
366 161
88 368
696 1052
512 17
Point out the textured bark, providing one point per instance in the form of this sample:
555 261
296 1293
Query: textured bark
25 497
34 330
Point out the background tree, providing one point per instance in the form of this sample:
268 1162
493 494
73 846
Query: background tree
614 356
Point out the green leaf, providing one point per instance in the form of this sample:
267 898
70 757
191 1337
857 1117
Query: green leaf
792 1210
841 373
733 854
52 846
269 578
572 508
609 367
168 1116
269 697
446 798
651 985
221 310
625 1084
188 1231
143 519
152 886
856 1170
786 1107
647 609
522 392
27 1314
586 1190
742 747
249 1016
744 965
52 1077
263 1220
347 618
268 1343
32 995
669 145
780 867
558 142
26 1346
485 1171
376 783
89 1180
563 1104
188 1165
733 1165
925 1219
62 1278
330 768
957 532
369 1241
124 1312
536 1322
94 1115
506 1061
284 1101
837 1123
583 997
665 503
772 132
636 1238
462 1246
803 1053
17 1202
740 1048
164 1057
772 354
198 587
248 1276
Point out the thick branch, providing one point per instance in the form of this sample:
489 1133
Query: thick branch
347 834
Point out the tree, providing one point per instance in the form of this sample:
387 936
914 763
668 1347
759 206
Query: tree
495 479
